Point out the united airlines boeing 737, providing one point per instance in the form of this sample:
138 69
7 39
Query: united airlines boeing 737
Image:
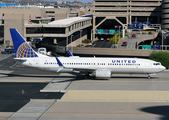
99 67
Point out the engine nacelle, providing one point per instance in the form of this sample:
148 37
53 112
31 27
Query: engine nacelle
102 74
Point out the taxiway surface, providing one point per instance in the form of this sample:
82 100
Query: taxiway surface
68 97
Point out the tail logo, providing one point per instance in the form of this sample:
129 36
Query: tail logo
25 50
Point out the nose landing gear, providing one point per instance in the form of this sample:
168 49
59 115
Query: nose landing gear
149 77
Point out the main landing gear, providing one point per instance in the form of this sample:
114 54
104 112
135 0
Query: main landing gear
86 76
149 77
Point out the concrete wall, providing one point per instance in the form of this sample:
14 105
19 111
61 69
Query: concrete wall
116 95
17 22
18 17
165 14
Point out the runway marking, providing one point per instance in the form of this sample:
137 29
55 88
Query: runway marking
123 82
2 64
13 65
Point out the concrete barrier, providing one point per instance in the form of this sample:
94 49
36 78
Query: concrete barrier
117 95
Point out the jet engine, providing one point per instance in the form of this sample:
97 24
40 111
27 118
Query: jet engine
102 74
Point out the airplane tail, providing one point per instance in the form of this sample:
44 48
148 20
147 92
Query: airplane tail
22 48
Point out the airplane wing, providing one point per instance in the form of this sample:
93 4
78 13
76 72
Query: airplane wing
75 69
84 69
20 59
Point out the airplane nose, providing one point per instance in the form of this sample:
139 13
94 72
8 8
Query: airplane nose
163 68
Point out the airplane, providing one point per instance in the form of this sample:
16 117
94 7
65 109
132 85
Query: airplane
97 66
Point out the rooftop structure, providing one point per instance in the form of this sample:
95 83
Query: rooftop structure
61 31
69 21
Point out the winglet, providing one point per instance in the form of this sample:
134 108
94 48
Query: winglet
70 54
59 63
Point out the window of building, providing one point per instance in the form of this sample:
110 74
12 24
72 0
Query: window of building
50 11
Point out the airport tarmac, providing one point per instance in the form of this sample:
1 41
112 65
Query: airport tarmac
69 97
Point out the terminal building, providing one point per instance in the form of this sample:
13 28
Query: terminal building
165 15
64 32
110 13
36 21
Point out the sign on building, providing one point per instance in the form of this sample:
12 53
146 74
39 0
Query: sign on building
135 24
131 26
147 47
111 31
105 31
147 23
139 25
100 31
155 47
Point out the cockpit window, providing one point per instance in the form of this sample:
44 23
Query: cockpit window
156 63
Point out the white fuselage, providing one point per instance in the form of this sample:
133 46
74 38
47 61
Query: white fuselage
90 64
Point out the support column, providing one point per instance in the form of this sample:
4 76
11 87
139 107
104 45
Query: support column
130 13
127 20
135 18
94 26
147 19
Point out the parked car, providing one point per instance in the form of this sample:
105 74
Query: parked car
8 51
102 39
133 35
124 43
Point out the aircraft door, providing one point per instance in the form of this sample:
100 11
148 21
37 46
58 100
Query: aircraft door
147 65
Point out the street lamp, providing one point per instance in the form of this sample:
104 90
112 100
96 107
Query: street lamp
71 45
118 26
92 35
119 32
115 40
66 46
162 39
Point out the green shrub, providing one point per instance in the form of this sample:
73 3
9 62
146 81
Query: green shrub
160 56
80 45
86 41
114 39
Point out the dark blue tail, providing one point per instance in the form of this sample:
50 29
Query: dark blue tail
22 48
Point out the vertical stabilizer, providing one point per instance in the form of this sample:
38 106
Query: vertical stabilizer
22 48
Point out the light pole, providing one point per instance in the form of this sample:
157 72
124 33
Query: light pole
162 39
66 46
71 45
115 40
119 32
118 26
92 35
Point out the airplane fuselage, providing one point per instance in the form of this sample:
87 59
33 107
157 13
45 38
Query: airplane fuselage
90 64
